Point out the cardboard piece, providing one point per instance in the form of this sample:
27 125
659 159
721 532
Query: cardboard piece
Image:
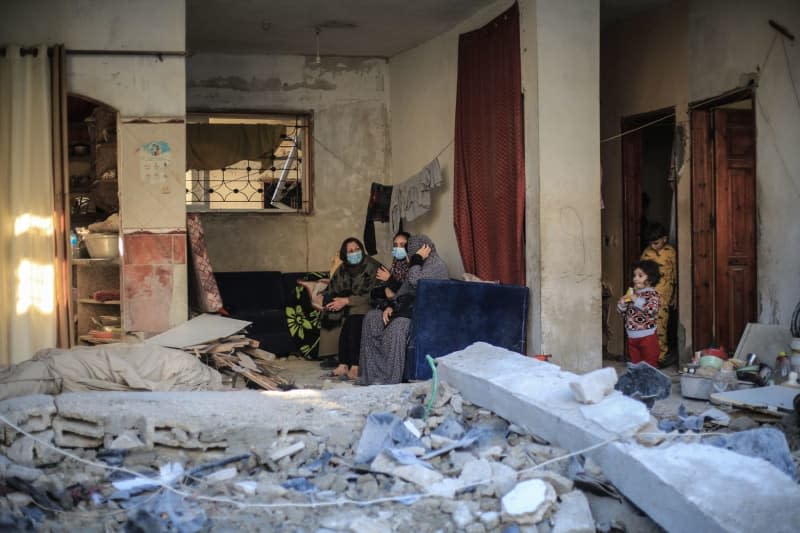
199 330
764 340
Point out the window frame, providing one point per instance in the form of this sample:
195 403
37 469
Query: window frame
198 115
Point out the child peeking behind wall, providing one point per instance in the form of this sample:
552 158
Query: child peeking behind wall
640 306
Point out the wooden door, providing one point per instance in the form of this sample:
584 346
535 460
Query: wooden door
723 225
734 145
702 230
631 202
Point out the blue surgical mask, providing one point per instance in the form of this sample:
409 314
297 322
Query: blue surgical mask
399 253
354 258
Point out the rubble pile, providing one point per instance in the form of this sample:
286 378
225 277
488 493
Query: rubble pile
421 464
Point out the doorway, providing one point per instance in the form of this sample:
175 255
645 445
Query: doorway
649 193
724 269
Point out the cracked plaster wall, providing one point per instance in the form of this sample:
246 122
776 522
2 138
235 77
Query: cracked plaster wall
349 101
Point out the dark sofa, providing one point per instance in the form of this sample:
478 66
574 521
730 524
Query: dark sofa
263 298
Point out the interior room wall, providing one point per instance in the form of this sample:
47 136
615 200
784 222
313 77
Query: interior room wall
135 86
643 67
423 103
349 99
727 40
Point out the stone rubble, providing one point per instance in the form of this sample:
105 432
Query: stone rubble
472 488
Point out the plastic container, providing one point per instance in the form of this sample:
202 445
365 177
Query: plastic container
783 367
695 387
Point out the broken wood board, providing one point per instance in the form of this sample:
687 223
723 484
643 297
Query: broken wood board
772 399
199 330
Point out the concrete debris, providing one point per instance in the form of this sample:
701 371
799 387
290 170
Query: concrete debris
29 451
10 469
224 474
594 386
645 383
364 524
462 515
528 502
416 473
574 514
128 440
561 484
287 451
616 414
248 488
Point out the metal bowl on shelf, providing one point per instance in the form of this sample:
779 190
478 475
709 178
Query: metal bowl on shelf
102 245
80 149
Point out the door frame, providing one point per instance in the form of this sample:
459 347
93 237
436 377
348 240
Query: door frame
703 228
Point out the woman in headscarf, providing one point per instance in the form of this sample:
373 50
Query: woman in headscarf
346 300
385 333
392 279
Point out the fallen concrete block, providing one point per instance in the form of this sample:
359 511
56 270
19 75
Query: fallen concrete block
617 415
682 487
29 451
71 433
10 469
561 484
31 413
287 451
574 514
594 386
415 473
528 502
222 475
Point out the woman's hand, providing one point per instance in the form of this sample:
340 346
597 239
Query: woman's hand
387 315
338 303
383 274
622 302
424 251
390 294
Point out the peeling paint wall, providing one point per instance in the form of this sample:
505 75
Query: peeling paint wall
643 67
727 40
349 101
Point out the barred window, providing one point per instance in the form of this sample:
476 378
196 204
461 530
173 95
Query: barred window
276 182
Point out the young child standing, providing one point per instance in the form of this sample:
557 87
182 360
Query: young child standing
640 305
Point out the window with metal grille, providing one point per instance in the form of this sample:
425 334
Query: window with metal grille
277 183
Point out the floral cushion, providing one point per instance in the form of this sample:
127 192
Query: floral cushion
303 310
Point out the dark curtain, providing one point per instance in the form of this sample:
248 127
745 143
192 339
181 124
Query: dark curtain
58 120
489 190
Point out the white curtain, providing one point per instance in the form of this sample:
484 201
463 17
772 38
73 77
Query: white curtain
27 269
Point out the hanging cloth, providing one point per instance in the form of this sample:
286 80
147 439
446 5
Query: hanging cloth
380 197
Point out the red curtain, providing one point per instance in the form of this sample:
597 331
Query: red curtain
489 190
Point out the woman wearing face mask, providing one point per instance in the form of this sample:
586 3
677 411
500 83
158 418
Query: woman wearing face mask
392 279
346 301
385 335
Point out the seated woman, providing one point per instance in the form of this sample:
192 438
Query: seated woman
385 335
346 300
392 280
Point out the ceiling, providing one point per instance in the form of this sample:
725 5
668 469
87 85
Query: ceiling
375 28
372 28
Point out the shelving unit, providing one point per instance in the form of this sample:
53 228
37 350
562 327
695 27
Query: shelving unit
93 196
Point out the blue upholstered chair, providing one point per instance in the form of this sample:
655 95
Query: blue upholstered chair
450 315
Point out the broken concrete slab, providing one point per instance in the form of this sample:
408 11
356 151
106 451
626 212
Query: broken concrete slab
764 340
617 415
199 330
415 473
31 413
287 451
10 469
594 386
29 451
574 514
683 487
772 398
528 501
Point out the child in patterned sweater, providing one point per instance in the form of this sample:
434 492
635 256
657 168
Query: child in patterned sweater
640 306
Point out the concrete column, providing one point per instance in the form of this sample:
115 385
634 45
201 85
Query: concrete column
561 56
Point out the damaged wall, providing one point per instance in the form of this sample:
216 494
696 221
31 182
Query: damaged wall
562 188
349 101
643 67
727 39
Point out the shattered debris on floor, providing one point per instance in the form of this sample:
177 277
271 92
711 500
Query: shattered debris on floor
381 458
